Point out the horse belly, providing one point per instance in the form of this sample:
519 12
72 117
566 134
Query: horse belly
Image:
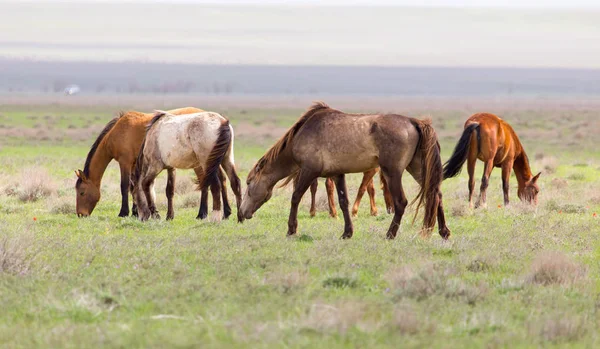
176 152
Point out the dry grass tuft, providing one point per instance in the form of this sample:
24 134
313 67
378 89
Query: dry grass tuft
190 200
288 281
559 329
184 185
577 177
549 164
459 209
63 205
433 281
406 321
15 253
35 184
559 183
554 268
339 319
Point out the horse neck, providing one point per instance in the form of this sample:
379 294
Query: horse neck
280 168
522 169
98 165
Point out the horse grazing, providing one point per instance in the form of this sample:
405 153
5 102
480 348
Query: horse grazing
326 142
367 185
121 140
490 139
201 141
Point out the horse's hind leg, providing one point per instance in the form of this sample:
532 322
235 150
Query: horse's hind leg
147 183
215 189
443 228
125 184
342 191
170 192
304 181
387 196
330 200
366 185
226 207
394 180
313 194
485 181
471 161
229 167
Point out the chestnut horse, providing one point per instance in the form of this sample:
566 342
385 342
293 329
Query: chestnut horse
326 142
366 185
490 139
200 141
121 140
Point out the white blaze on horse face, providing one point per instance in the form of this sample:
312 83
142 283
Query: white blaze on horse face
175 134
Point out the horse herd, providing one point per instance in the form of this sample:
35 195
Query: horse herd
323 142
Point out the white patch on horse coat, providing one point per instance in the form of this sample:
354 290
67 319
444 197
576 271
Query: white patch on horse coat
175 136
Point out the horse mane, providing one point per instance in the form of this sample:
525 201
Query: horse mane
94 148
288 137
140 158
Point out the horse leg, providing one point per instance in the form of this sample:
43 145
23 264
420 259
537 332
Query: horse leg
147 186
203 210
330 200
134 206
215 189
170 192
371 192
125 183
394 180
471 161
236 185
226 207
485 181
443 228
387 196
313 194
367 178
342 191
506 169
304 181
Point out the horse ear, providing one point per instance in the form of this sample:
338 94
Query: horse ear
536 177
80 174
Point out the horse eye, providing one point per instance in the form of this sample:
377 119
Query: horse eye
82 193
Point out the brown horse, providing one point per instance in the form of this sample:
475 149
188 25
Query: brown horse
326 142
490 139
367 185
121 140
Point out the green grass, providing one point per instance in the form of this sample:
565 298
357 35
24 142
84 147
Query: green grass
105 281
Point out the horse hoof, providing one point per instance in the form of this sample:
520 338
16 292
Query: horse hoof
170 218
346 236
123 214
215 216
390 236
202 215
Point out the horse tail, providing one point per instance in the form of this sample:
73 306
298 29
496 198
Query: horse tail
454 165
431 173
217 154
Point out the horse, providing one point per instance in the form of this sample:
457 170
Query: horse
492 140
366 184
121 140
325 142
201 141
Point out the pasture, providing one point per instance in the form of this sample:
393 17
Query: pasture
514 276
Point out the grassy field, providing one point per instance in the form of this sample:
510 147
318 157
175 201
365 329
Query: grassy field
512 276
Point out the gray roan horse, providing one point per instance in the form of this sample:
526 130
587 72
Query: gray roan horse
326 142
200 141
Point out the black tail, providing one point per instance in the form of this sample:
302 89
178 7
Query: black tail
217 154
454 165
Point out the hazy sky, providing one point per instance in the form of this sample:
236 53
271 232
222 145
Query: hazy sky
423 3
285 35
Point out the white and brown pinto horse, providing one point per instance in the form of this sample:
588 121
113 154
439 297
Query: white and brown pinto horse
201 141
326 142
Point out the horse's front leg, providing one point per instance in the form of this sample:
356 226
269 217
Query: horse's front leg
304 180
170 192
234 179
342 191
125 184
